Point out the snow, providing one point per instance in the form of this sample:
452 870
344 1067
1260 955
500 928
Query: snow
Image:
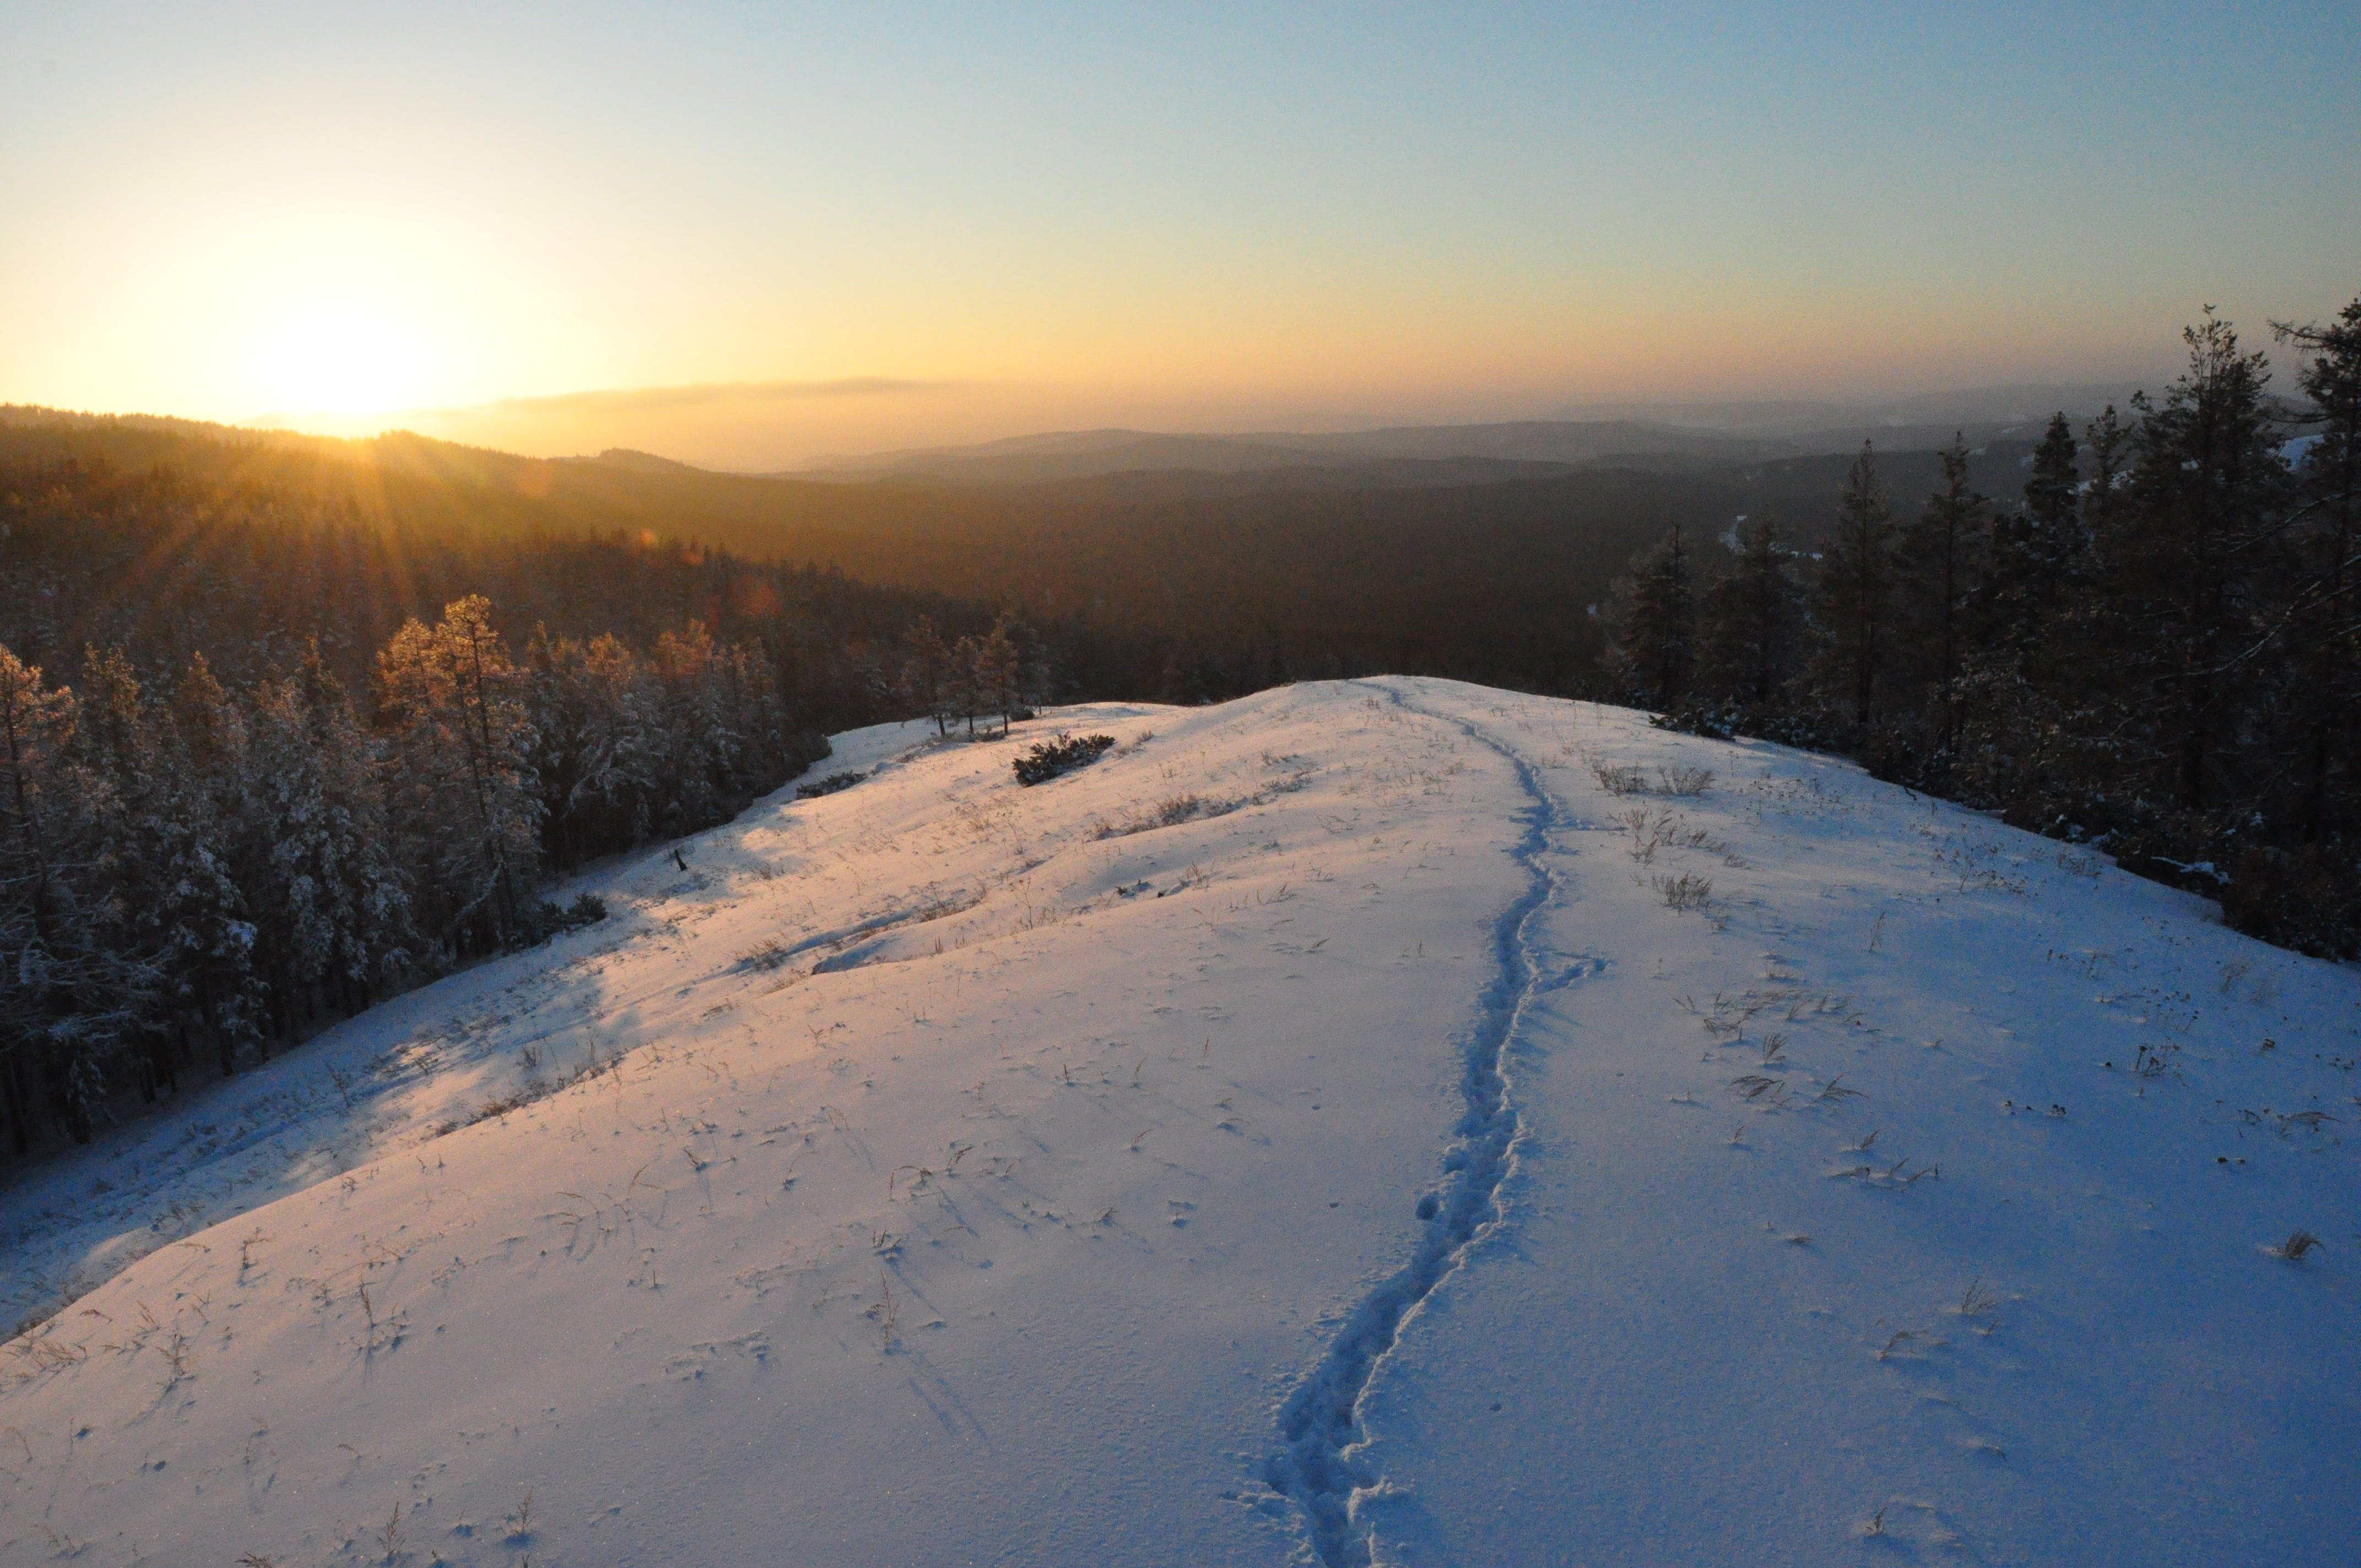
1306 1135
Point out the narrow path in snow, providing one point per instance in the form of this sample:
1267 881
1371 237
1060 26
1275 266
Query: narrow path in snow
1320 1427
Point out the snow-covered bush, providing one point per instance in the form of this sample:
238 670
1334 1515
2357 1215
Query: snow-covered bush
541 920
828 785
1063 754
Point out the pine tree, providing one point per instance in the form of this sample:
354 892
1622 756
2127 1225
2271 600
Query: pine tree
204 842
2181 557
338 904
120 954
1751 622
2323 615
598 745
966 696
1651 626
927 674
2015 745
2039 553
460 779
1000 673
2050 493
746 698
1854 594
1940 561
696 746
37 723
2107 444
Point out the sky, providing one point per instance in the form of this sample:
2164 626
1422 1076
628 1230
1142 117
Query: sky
747 235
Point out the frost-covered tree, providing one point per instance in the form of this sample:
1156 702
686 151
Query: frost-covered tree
697 748
336 903
204 841
460 780
597 753
115 950
36 809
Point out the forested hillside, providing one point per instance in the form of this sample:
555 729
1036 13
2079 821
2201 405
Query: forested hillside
1184 584
267 753
2154 647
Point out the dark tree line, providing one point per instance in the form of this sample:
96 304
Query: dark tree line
2157 647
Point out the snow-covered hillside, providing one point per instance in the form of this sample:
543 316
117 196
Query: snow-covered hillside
1336 1128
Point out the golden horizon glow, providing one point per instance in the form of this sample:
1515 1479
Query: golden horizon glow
1196 218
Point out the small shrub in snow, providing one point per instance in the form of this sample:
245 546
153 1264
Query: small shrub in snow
768 955
1685 780
521 1521
1063 754
828 785
2297 1247
1668 830
1616 778
1685 890
1176 809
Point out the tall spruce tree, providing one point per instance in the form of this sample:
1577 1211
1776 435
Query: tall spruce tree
122 885
2013 744
2181 557
462 788
1652 625
1751 622
1854 601
335 899
2107 449
1940 560
2038 553
2322 619
37 723
697 747
204 840
967 684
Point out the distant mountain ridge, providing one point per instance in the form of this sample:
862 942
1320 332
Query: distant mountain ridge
1657 436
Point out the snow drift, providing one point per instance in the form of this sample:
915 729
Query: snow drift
1385 1122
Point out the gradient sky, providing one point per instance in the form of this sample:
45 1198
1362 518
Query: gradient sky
842 227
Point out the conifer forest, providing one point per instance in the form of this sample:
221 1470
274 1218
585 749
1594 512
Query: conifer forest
2154 648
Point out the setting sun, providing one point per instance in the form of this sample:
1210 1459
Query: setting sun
335 358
